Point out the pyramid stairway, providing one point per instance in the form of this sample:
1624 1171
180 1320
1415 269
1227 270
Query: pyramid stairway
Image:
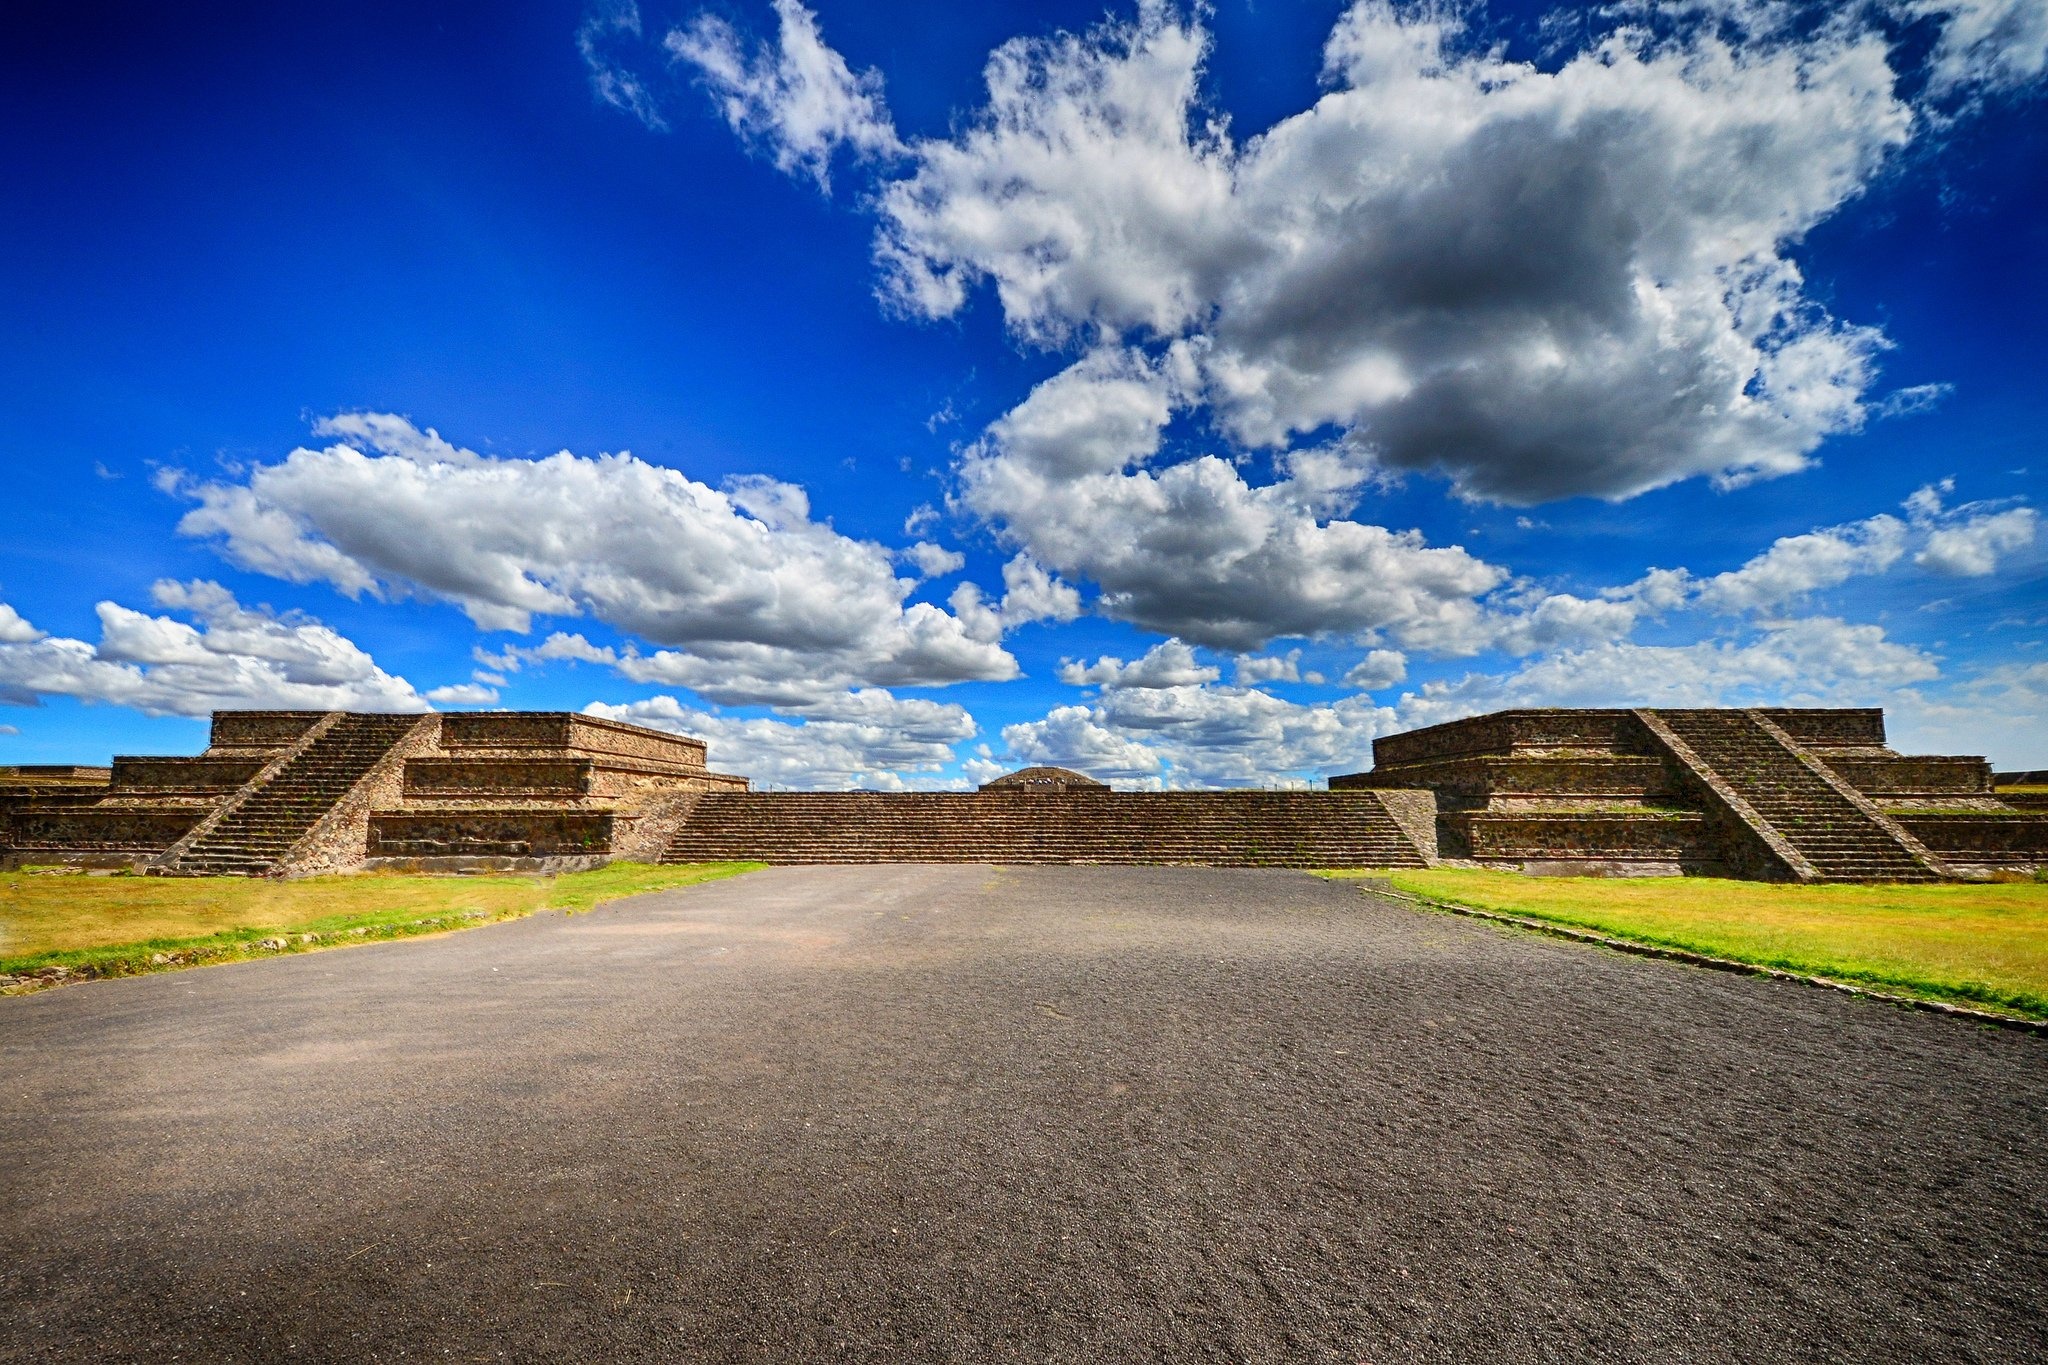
251 839
1842 841
1225 829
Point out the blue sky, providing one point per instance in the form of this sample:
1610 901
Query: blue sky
896 394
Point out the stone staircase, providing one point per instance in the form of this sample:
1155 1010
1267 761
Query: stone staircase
1840 838
255 835
1224 829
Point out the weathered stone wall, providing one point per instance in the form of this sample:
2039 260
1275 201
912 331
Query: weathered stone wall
1830 727
1680 838
261 729
184 774
64 774
2019 837
1504 732
1415 812
1916 775
566 730
483 833
1479 776
431 778
39 827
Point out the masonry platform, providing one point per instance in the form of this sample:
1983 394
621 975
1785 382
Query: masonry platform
1785 794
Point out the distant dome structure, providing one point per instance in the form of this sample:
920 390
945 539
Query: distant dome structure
1051 780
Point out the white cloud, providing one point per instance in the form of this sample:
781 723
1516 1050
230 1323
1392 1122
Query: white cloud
1194 550
606 25
1971 547
1994 44
934 561
1195 736
1031 594
1797 565
1539 283
1170 663
1379 668
236 657
463 694
1252 668
865 739
799 102
755 598
14 630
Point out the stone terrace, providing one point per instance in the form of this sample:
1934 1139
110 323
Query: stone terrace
1779 794
300 792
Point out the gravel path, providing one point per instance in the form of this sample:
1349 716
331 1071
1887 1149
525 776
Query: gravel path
1043 1114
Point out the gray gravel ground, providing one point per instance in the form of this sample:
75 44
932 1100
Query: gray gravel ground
1044 1114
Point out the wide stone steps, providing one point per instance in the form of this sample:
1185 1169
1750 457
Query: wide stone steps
1271 829
263 829
1841 841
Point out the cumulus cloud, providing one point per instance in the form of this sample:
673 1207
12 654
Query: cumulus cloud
934 561
1379 668
1537 283
754 597
1252 669
1170 663
463 694
236 656
797 102
605 30
1200 735
863 739
1194 549
13 629
1970 543
1796 565
1030 594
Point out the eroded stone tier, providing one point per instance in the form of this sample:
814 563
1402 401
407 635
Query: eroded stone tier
1804 794
304 791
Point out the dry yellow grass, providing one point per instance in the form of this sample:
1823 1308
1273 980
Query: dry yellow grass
1986 944
109 925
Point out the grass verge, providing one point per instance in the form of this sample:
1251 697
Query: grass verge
1972 944
55 929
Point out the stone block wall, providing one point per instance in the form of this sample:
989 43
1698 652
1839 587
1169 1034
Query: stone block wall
32 829
470 834
1917 775
1513 732
261 729
202 774
442 778
1859 727
567 730
2017 840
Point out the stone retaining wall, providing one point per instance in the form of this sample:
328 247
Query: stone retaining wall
485 833
1830 727
201 774
1917 775
1505 731
261 729
566 730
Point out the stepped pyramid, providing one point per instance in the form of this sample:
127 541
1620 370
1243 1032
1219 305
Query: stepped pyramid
1792 794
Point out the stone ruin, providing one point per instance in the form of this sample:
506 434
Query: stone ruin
301 792
1775 794
1798 795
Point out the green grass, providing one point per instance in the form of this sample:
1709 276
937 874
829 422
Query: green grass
69 927
1974 944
